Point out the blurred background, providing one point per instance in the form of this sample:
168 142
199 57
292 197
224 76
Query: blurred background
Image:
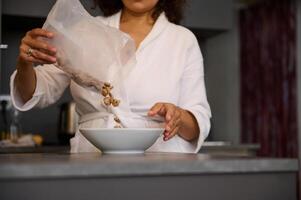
250 50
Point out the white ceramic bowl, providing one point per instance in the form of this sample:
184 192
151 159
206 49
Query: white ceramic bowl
122 140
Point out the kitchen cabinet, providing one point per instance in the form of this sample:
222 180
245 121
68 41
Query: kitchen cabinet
28 8
199 14
35 8
208 15
149 176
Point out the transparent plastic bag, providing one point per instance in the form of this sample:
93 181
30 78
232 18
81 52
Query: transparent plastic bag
89 51
97 57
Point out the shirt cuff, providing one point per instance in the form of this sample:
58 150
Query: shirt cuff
17 101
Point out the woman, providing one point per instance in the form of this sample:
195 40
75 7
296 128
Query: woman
169 73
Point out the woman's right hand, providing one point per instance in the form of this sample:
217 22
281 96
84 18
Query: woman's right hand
34 50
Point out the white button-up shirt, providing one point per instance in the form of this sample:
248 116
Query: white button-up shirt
169 68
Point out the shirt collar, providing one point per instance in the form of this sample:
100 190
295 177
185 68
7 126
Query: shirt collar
161 23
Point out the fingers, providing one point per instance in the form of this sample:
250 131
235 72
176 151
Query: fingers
162 109
155 109
168 136
50 53
37 44
30 59
173 126
33 40
170 110
175 120
172 116
37 55
41 51
42 56
38 32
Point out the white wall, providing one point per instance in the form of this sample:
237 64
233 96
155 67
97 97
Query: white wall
222 78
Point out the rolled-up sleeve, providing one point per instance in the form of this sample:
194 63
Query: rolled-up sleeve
193 96
51 82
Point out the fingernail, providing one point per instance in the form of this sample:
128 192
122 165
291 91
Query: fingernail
151 113
167 128
50 34
53 59
168 117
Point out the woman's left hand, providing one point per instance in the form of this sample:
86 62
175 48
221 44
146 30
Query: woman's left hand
172 115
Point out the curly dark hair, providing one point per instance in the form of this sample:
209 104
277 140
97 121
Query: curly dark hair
173 8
